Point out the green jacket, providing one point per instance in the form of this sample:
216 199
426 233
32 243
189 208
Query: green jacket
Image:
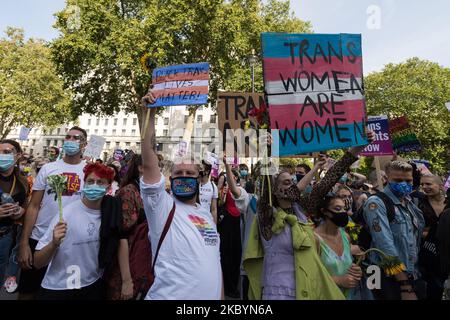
313 282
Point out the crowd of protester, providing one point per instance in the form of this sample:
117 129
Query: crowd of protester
140 226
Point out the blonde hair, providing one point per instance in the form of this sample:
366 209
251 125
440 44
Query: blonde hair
399 166
436 179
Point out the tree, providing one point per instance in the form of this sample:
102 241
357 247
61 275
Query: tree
418 89
31 93
102 41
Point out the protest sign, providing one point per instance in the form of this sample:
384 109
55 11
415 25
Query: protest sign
24 132
447 183
382 146
232 113
186 84
94 147
314 90
403 137
213 160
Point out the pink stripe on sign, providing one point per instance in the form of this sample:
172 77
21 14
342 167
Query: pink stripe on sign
182 76
352 110
274 66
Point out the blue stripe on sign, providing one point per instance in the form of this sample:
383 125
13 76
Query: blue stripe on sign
312 140
273 44
180 100
159 72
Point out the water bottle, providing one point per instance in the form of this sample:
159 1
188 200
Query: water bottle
446 293
6 198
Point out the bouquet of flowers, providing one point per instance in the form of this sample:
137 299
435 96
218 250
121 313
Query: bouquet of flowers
261 116
58 182
353 231
391 265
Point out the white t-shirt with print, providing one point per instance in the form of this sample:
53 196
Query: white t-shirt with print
78 253
188 265
49 206
208 192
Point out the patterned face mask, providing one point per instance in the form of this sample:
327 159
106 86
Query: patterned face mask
184 188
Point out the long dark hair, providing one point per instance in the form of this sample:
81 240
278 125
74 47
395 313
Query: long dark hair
132 175
19 176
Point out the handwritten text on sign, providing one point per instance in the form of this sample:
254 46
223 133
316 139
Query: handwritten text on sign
315 91
186 84
232 111
382 146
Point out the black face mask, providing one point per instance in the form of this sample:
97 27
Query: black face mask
299 176
339 219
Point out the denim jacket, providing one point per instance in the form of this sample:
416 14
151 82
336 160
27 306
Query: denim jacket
400 238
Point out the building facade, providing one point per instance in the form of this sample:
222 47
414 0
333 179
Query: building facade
121 131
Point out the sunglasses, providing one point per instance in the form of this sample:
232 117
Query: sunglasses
77 137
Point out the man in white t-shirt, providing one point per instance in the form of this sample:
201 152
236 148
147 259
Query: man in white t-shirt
74 271
43 207
188 264
208 191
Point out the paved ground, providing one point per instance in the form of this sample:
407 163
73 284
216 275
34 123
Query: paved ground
7 296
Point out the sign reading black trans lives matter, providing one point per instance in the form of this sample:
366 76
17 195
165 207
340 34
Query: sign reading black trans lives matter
314 90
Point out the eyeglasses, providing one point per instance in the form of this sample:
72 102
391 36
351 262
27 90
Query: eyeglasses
77 137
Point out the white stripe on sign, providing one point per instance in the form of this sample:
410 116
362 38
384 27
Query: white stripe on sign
312 85
299 98
181 84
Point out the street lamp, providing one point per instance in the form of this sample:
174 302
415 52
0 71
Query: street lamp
252 59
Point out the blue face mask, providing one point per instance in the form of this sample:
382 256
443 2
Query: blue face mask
400 189
6 161
243 173
94 192
343 179
184 188
71 148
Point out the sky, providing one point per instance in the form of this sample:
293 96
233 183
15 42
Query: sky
392 30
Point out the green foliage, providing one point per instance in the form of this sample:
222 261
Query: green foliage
99 56
31 93
418 89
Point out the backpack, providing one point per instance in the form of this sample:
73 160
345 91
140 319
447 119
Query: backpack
364 237
141 267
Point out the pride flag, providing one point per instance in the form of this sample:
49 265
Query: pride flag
314 89
186 84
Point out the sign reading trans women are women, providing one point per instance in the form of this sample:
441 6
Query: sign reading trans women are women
186 84
314 90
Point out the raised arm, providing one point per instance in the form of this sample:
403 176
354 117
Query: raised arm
333 175
231 182
303 183
151 174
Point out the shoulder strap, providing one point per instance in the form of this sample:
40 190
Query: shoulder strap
163 235
389 204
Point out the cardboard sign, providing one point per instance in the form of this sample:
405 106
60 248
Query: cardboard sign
232 112
314 90
403 137
94 147
186 84
24 132
382 146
